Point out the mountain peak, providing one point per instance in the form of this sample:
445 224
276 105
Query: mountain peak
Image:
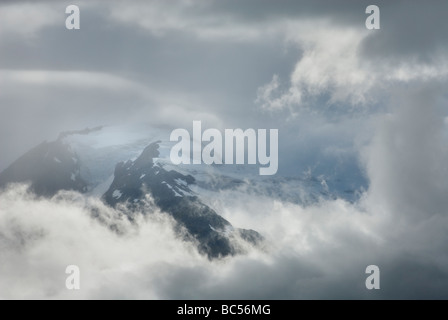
172 194
49 168
148 154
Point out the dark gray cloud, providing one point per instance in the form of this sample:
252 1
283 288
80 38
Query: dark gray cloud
411 30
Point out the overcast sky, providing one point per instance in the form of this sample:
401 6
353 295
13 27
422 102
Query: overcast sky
339 93
310 68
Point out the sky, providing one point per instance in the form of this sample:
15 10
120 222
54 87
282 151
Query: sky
341 95
310 68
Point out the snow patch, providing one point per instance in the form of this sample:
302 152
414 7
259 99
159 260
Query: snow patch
57 160
176 194
186 193
142 176
117 194
181 182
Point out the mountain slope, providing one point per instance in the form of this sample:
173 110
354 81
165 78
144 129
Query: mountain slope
49 168
171 192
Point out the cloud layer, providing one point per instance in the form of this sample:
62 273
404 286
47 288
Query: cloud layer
343 96
317 251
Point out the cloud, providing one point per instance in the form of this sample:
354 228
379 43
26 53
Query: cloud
27 19
316 251
196 18
399 224
408 154
72 99
174 63
346 64
75 79
41 237
148 261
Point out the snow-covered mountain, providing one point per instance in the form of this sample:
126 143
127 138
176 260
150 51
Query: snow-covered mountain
76 162
123 166
172 194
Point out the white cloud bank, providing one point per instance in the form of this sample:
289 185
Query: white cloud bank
41 237
317 251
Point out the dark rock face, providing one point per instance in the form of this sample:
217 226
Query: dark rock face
49 168
171 192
